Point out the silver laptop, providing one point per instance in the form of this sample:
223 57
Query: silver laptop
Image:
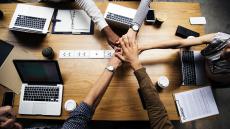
31 19
193 68
119 16
42 87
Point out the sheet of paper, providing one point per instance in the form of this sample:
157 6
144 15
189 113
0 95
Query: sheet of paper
197 20
64 21
196 104
81 21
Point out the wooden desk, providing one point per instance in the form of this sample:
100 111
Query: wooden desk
121 101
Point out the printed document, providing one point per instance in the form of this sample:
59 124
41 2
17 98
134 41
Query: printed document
196 104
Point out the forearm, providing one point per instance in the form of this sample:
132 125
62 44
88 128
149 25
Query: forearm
177 43
94 13
98 89
142 11
157 114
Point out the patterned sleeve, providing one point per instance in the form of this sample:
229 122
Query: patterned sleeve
221 36
93 12
79 118
142 12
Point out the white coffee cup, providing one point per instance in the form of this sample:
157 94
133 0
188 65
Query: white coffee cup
70 105
163 82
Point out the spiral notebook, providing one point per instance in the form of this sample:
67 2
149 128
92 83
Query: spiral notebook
72 22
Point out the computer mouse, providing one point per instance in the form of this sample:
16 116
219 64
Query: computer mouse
1 14
48 53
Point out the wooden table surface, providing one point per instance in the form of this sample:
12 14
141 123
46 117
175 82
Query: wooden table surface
121 100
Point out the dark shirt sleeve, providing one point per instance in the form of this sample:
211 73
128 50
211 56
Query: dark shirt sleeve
157 114
79 118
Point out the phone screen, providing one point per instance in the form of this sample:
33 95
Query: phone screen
8 99
150 15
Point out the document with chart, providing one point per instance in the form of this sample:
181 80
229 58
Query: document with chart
196 104
72 22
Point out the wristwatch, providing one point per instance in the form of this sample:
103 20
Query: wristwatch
110 68
135 27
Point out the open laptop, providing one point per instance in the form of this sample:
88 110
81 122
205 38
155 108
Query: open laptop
42 87
8 53
31 19
119 16
193 68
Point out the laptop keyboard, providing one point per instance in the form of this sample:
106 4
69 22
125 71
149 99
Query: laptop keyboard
188 69
119 18
44 93
30 22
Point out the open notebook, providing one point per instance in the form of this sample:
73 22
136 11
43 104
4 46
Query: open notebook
72 22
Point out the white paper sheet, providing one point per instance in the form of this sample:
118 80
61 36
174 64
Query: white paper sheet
65 23
196 104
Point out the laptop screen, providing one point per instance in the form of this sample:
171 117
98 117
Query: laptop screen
38 71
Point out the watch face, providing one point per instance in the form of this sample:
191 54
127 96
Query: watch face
135 27
110 68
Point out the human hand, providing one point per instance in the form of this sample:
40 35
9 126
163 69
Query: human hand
7 118
115 61
129 53
112 37
131 35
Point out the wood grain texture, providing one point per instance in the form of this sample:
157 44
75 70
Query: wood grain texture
121 101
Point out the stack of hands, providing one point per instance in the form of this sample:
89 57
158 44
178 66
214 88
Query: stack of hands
126 49
7 119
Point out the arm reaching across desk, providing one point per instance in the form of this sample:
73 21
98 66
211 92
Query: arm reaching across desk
82 115
157 114
95 14
177 43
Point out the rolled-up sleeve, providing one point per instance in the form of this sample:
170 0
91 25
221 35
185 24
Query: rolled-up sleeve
79 118
157 114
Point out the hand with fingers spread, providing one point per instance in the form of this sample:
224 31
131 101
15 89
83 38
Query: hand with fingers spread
129 53
7 118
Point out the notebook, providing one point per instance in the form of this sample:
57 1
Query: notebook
196 104
72 22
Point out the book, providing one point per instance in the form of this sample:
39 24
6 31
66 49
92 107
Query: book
72 22
196 104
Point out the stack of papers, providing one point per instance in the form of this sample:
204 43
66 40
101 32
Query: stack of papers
72 21
196 104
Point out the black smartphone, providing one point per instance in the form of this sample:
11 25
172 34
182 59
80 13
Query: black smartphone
150 18
8 99
184 32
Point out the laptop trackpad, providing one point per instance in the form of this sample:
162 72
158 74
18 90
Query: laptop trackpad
39 108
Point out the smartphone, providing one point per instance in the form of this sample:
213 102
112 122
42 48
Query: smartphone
8 99
184 32
150 18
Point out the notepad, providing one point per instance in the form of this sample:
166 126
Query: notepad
72 22
196 104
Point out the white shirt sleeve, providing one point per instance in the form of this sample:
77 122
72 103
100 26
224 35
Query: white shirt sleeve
94 13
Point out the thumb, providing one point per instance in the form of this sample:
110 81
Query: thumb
120 56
